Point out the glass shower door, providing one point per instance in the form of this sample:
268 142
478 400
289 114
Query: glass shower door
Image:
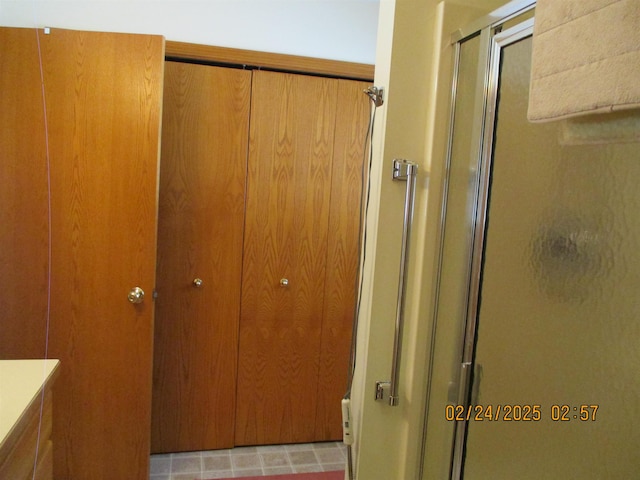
556 388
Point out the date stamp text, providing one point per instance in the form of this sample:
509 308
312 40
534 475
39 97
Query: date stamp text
521 413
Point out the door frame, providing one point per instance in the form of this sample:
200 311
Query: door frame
466 392
492 40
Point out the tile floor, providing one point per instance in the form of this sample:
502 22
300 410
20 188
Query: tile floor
249 461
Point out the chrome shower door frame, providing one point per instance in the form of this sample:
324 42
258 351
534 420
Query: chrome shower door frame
492 40
466 393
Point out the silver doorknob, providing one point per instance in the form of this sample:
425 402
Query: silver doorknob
197 282
136 295
284 282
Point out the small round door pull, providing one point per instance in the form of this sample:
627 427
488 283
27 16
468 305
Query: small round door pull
197 282
284 282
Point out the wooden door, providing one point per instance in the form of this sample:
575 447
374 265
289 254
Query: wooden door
103 97
201 217
343 251
287 244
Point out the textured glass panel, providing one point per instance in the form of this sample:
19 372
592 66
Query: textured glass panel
559 320
462 183
453 284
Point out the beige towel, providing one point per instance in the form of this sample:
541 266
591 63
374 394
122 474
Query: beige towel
615 127
586 58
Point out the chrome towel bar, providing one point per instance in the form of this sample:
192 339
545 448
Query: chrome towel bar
403 170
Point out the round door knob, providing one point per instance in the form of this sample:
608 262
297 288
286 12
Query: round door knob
284 282
136 295
197 282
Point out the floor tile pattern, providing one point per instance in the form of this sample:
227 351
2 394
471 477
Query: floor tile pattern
249 461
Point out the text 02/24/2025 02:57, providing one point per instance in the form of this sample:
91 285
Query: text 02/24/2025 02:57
520 413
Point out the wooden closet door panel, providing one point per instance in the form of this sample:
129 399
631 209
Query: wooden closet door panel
24 236
103 95
341 289
202 189
288 203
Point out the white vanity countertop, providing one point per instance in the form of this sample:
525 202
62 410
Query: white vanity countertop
21 381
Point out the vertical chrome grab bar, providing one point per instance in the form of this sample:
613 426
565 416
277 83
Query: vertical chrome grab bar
406 171
403 170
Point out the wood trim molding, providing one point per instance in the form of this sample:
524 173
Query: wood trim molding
275 61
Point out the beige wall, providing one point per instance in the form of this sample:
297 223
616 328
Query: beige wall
413 64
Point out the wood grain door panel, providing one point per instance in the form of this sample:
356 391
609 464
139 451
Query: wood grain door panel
343 252
202 190
103 102
288 198
298 228
104 94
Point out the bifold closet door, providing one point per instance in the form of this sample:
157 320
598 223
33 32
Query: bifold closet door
201 216
343 251
303 198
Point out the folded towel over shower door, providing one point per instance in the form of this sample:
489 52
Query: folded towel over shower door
586 58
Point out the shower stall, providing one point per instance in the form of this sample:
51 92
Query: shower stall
538 278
